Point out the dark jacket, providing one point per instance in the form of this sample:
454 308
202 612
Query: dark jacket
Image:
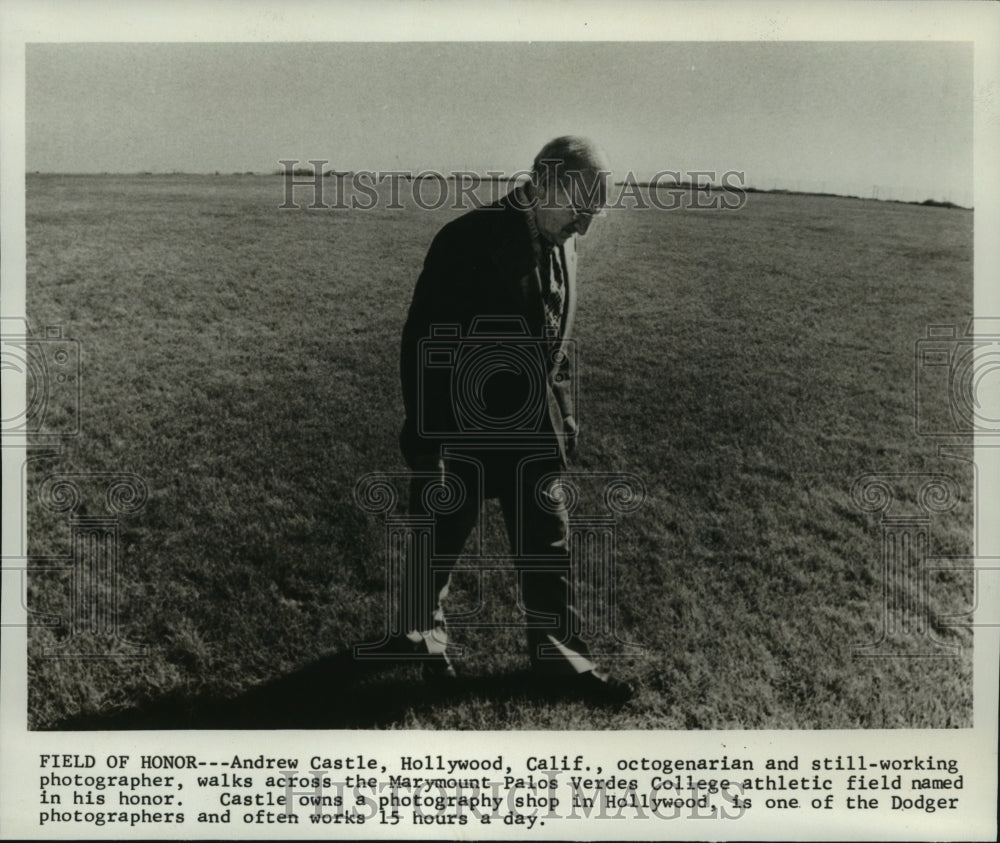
475 363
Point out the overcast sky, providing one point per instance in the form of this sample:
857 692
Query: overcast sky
835 116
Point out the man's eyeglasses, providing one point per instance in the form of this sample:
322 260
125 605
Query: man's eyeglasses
586 214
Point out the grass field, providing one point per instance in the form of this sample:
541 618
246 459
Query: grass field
748 366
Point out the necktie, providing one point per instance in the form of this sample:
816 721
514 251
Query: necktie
555 295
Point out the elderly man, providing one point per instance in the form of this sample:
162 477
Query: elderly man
486 368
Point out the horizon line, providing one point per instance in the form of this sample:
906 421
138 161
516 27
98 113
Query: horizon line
685 185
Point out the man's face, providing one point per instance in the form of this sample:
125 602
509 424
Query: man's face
565 209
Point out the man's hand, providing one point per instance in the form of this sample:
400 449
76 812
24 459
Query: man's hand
570 431
426 462
419 454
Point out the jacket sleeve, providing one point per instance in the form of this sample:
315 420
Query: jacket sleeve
563 385
424 404
562 381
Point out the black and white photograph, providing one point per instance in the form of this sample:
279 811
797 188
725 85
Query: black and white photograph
545 389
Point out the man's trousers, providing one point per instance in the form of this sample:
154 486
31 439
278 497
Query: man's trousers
526 484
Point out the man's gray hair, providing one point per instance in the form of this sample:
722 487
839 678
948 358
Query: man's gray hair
566 155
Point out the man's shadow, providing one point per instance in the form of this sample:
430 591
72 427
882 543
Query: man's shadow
336 691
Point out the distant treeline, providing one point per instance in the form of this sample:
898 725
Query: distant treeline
678 185
307 172
686 185
929 202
